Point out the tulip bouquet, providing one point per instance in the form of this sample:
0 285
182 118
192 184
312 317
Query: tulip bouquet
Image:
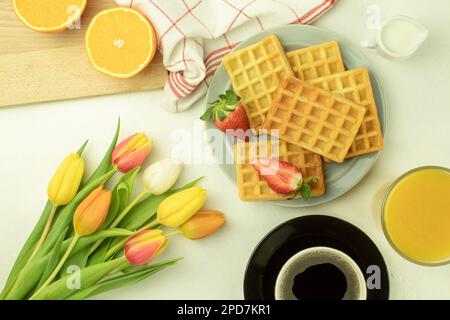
91 239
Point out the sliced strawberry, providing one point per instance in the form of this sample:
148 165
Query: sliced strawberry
228 115
283 177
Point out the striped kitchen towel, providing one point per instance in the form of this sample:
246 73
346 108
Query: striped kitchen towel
194 35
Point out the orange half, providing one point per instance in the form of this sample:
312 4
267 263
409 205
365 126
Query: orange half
120 42
49 15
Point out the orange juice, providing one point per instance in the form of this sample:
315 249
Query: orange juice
416 215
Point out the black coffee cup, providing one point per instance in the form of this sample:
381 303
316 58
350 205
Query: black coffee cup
320 273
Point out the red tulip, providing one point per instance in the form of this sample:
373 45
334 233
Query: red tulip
131 152
144 246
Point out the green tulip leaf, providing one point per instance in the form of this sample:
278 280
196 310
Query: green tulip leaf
88 276
81 150
78 259
27 249
53 259
105 165
27 279
99 255
121 280
121 196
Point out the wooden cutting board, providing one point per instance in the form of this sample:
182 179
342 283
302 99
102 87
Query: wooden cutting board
36 67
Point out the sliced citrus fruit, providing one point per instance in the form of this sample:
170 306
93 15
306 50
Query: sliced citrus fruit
49 15
120 42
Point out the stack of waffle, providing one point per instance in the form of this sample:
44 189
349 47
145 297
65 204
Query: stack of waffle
310 102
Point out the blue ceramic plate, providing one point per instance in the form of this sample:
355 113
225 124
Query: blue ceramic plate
339 178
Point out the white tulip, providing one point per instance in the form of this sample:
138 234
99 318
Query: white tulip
160 176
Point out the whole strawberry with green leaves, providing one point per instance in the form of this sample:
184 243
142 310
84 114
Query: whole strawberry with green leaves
228 115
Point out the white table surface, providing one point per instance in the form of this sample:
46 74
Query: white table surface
34 139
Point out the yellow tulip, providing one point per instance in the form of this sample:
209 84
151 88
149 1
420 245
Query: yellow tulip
62 189
65 182
180 207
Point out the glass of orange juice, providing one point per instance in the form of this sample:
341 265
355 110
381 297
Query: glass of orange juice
416 215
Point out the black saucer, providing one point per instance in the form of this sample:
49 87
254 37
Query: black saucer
304 232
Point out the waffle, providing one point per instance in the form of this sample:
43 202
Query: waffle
355 86
253 187
255 72
314 119
316 61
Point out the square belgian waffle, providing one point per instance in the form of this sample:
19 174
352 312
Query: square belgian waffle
255 73
252 186
314 119
316 61
355 86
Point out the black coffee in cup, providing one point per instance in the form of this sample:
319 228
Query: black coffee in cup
320 273
321 281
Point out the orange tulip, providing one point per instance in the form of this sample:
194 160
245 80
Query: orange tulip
202 224
144 246
91 212
88 217
131 152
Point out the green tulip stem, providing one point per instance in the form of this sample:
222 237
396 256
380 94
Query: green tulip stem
113 250
125 211
150 225
172 233
58 267
45 232
123 265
